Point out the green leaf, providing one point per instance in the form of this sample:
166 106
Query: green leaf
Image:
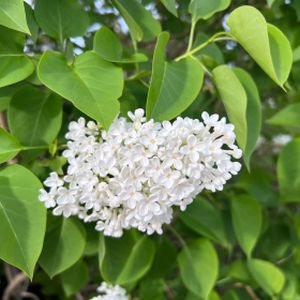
289 116
32 24
152 289
108 46
75 278
203 9
205 219
198 264
288 172
9 146
170 5
241 99
35 116
164 259
67 18
12 15
125 260
64 244
238 271
234 98
11 41
174 85
141 24
265 43
92 84
270 278
22 218
253 112
14 68
247 220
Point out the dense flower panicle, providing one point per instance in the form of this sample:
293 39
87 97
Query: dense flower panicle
134 174
110 292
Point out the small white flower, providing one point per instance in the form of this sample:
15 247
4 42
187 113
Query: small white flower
110 292
134 174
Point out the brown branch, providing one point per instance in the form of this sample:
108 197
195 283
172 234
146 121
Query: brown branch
11 289
30 295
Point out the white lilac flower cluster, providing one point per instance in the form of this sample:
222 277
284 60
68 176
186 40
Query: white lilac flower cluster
134 174
110 292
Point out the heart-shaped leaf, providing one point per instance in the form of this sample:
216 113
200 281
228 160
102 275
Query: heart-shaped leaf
22 218
265 43
92 84
174 85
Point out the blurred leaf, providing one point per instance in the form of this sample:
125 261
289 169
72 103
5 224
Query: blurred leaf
22 218
289 116
198 265
12 15
170 5
131 263
164 259
64 245
288 172
152 289
9 146
14 68
212 50
35 116
266 44
74 278
174 85
268 276
205 219
11 42
247 220
239 272
203 9
142 25
92 84
32 24
61 18
108 46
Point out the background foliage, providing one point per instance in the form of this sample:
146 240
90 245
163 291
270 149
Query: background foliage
67 58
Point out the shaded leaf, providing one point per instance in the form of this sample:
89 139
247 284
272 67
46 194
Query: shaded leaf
22 218
288 172
35 116
131 263
170 5
64 245
205 219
